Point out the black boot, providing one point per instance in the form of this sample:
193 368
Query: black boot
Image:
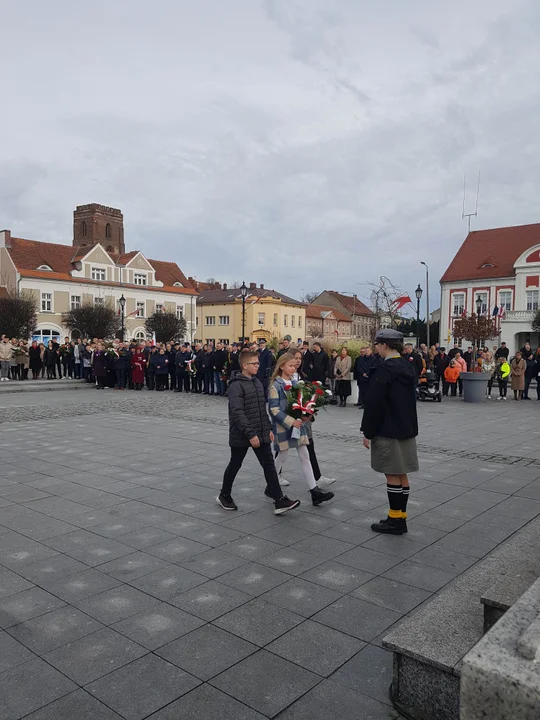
318 496
403 524
389 526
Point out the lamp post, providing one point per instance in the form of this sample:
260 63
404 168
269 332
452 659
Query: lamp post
418 293
243 291
122 303
427 306
478 313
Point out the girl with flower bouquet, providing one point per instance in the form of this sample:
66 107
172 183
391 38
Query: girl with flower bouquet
291 432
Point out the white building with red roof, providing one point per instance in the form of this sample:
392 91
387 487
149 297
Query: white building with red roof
95 268
501 268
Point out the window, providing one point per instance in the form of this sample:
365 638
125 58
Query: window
293 318
458 304
140 335
45 267
179 312
483 297
139 278
225 341
83 229
275 318
98 273
261 318
75 302
285 320
108 230
532 300
46 302
299 321
140 309
505 300
99 301
224 319
210 320
159 308
46 334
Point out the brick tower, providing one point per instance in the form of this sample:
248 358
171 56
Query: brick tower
93 224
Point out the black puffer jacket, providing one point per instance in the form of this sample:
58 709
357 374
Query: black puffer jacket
391 405
248 417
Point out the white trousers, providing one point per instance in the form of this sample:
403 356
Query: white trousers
305 463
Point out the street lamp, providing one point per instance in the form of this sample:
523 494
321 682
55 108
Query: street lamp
243 291
478 313
122 303
418 293
427 305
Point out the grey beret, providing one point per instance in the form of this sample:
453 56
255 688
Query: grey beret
383 336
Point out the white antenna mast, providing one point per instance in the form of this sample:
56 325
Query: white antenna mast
475 213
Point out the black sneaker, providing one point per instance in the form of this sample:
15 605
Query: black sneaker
389 526
283 505
403 524
226 502
318 496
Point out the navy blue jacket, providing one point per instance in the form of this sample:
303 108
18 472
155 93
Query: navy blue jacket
266 360
159 363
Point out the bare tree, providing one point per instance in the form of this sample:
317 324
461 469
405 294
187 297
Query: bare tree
310 297
18 315
90 320
166 326
383 301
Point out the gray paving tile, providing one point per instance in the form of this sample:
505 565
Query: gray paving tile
254 578
168 582
301 597
95 655
146 537
368 560
206 703
420 576
157 626
89 548
358 618
444 559
266 682
78 705
292 561
369 671
12 653
58 508
11 583
387 544
258 622
117 527
213 563
328 700
30 686
391 594
142 687
26 605
338 577
251 547
131 567
48 632
207 651
348 532
79 586
210 600
177 550
283 534
316 647
51 568
322 547
116 604
17 550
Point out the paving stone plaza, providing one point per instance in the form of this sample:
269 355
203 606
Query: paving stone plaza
126 592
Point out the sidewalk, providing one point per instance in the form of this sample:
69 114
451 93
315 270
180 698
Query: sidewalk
42 385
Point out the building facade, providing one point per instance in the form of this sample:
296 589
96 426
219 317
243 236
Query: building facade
327 323
94 269
268 314
501 268
363 319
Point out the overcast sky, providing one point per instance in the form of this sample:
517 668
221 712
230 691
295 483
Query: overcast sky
306 144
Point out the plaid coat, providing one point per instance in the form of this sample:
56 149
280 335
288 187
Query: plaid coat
282 423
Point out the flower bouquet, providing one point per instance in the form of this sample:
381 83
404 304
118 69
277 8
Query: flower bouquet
190 367
305 400
112 353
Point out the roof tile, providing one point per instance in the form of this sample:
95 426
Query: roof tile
316 311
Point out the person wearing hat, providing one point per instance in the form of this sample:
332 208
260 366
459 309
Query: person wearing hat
234 360
266 361
390 427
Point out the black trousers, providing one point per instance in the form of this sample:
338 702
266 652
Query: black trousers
362 392
503 388
313 460
172 380
208 382
265 458
58 365
121 378
198 381
161 382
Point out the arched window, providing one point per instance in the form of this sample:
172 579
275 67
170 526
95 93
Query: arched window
110 249
108 230
83 229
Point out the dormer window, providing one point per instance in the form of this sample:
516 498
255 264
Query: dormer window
140 279
45 267
178 284
486 265
98 274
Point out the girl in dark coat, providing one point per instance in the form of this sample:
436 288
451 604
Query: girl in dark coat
49 360
34 354
100 365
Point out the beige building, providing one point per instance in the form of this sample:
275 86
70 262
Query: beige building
363 319
268 314
94 269
327 323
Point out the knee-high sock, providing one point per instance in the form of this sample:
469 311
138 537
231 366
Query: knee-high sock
404 499
394 500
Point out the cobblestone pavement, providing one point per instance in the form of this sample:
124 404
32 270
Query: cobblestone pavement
126 592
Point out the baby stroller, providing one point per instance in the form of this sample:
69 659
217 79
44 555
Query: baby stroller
428 387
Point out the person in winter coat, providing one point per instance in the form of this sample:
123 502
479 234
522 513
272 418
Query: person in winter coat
249 426
489 366
266 361
100 365
537 372
319 360
183 360
390 427
160 364
517 374
288 431
121 366
331 371
307 362
502 373
451 377
138 365
362 366
342 369
6 353
49 361
34 356
440 363
530 373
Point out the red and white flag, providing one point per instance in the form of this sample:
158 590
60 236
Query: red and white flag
401 301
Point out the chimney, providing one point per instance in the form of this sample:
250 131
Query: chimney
224 286
262 286
252 286
5 238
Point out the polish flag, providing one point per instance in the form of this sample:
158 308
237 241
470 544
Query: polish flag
401 301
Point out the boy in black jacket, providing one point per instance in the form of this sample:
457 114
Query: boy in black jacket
249 426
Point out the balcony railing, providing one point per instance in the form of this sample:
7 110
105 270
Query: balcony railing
519 315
